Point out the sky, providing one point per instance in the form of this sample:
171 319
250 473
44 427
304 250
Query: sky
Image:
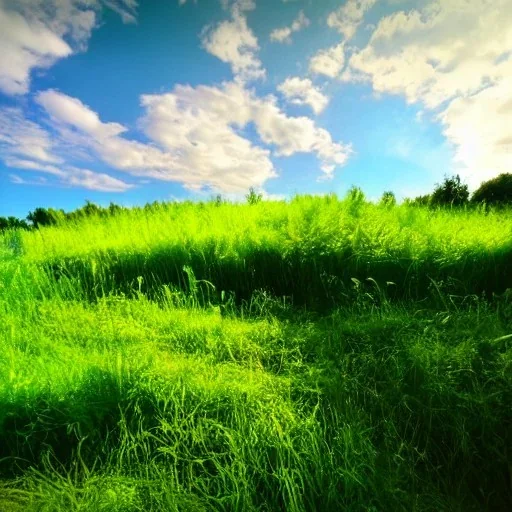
135 101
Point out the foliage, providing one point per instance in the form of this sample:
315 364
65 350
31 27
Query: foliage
388 199
12 223
452 192
253 197
423 201
156 359
496 192
45 217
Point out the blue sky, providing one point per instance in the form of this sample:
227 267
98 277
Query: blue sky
126 101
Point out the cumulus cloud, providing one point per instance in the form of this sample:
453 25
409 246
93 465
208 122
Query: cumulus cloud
197 143
37 33
455 58
233 42
22 138
349 16
26 145
480 127
196 133
301 91
283 35
201 123
328 62
71 176
73 112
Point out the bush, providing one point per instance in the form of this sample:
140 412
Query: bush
12 223
497 191
388 199
45 217
450 193
253 197
419 201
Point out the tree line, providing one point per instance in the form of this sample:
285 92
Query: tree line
450 193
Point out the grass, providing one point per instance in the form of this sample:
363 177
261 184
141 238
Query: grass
306 249
236 357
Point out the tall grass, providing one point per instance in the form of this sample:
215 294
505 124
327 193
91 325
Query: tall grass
111 400
308 249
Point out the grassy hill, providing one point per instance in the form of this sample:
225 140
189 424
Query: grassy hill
318 354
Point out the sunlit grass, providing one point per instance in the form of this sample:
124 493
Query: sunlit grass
129 383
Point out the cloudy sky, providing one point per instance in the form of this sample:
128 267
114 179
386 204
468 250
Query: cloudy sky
132 101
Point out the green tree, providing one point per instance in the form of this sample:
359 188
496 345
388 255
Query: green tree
495 192
114 209
253 197
388 199
12 223
91 209
452 192
420 200
45 217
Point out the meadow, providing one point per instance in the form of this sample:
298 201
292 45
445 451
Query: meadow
312 355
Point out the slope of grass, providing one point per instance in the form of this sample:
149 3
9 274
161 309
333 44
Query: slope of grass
307 249
111 400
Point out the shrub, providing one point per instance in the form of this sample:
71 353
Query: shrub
450 193
497 191
253 197
388 199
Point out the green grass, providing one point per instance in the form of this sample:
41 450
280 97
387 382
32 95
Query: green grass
308 249
286 381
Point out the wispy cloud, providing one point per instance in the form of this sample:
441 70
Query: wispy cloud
347 18
233 42
328 62
37 33
283 34
197 136
26 145
301 91
70 176
454 58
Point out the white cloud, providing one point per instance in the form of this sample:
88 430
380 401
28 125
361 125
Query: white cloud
197 133
328 62
127 9
197 146
301 91
24 144
72 111
446 50
283 35
349 16
37 33
453 57
201 124
480 127
20 137
299 135
201 127
234 42
71 176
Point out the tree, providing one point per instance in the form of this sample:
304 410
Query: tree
114 209
91 209
450 193
253 197
388 199
420 200
12 223
45 217
496 192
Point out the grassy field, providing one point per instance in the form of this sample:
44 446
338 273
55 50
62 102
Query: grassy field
312 355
